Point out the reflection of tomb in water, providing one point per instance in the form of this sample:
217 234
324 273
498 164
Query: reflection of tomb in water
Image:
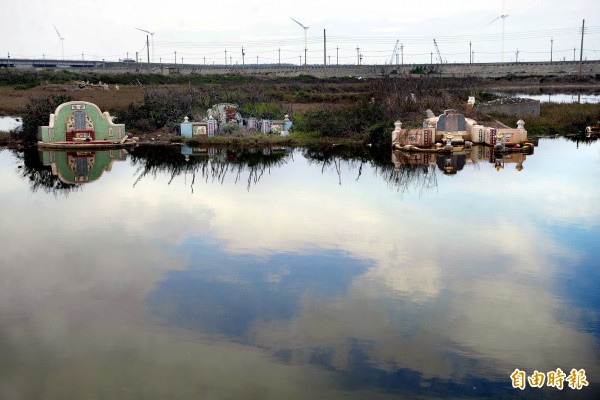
214 163
228 155
76 166
451 163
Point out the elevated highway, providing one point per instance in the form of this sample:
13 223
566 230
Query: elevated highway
484 70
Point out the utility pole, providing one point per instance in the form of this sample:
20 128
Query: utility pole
470 57
175 57
136 56
324 48
357 55
581 48
551 45
337 56
243 54
279 62
431 58
402 51
517 56
330 59
82 59
225 56
148 48
573 53
257 59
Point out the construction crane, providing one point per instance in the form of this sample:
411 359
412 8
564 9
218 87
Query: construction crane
394 53
437 49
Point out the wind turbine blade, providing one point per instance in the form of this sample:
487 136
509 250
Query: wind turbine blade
299 23
57 32
495 19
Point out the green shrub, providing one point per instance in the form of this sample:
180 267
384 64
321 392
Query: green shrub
25 86
380 133
37 113
264 110
345 122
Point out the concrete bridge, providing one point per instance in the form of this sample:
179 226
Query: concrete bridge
484 70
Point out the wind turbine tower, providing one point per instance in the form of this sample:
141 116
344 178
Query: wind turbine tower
305 36
62 41
503 16
152 36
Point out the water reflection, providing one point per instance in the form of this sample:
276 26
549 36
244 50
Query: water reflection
556 97
452 163
65 171
210 163
320 282
8 124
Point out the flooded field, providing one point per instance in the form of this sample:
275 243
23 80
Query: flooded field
169 273
7 124
565 98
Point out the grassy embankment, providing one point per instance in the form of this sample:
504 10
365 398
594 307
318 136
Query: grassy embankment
325 111
562 119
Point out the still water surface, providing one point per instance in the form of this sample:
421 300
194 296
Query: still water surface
567 98
297 274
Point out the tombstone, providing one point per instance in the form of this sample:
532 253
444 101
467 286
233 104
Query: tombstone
252 124
185 128
287 123
211 126
265 126
451 121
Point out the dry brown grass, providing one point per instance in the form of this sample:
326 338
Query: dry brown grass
12 101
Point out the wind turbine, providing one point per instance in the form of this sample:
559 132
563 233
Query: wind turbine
503 16
305 32
151 35
62 41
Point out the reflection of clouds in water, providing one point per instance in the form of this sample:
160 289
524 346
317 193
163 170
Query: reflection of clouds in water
548 196
306 222
418 281
76 322
472 300
516 325
407 261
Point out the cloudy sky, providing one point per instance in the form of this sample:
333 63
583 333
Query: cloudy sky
202 32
